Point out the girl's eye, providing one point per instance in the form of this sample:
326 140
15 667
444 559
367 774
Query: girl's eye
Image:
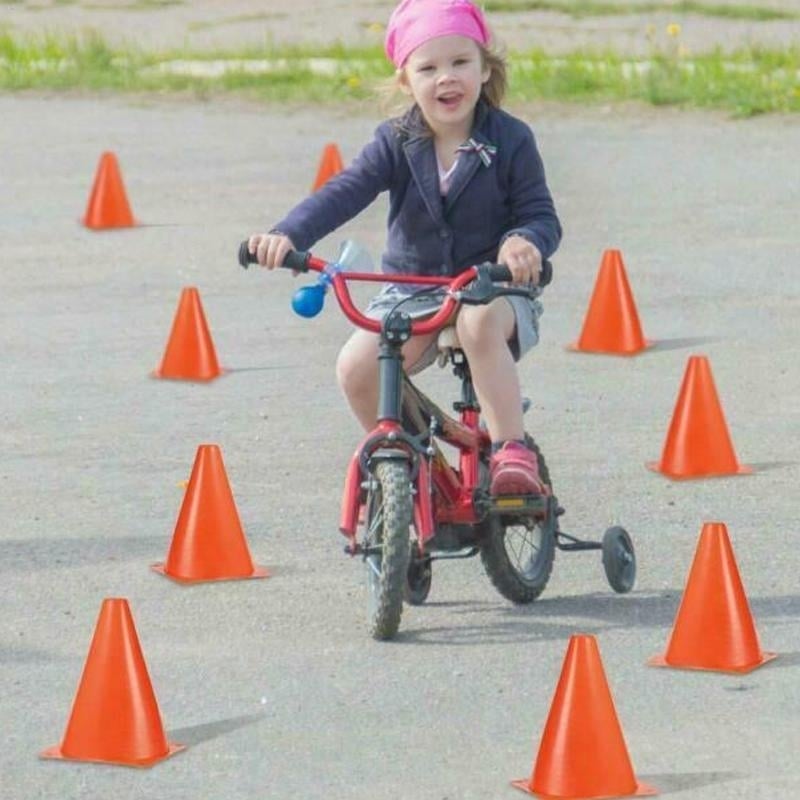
425 69
459 61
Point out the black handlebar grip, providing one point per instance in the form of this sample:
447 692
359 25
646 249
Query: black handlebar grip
546 274
246 258
295 259
498 273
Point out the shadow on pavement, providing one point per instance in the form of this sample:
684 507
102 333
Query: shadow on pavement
661 345
783 660
763 466
492 632
24 655
195 734
267 368
28 555
673 782
590 614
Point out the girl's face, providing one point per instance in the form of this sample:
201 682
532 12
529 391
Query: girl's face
445 76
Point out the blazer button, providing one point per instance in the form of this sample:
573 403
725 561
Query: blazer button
444 234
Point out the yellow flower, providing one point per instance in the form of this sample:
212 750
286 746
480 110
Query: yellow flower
353 82
673 29
375 27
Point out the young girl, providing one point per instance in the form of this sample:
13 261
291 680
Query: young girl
466 185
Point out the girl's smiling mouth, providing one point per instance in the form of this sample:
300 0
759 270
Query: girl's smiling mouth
450 100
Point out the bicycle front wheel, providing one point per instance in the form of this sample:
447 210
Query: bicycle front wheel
388 528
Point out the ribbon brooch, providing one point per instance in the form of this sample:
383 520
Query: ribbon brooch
485 151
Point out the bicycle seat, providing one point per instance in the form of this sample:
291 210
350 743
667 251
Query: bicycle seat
448 339
446 342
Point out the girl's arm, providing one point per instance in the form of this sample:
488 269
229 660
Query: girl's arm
533 213
344 195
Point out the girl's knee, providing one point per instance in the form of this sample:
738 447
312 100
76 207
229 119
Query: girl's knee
485 325
475 323
354 371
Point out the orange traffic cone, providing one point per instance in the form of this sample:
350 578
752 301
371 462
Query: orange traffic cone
208 543
582 752
714 628
330 164
698 443
108 205
190 354
115 716
612 322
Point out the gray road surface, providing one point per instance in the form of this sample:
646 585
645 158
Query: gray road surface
274 684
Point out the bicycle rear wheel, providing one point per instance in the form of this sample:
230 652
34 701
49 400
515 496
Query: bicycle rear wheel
518 553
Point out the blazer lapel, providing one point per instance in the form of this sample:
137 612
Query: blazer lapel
469 162
422 161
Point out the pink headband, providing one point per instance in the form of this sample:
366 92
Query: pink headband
415 22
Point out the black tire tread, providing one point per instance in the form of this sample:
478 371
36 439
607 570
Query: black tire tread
395 487
495 559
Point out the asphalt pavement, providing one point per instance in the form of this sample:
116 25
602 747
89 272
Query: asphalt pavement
274 684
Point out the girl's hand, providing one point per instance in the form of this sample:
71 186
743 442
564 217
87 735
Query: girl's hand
522 258
270 248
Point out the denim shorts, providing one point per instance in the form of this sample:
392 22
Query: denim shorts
526 314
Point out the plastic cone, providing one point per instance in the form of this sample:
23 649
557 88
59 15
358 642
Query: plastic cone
698 443
108 204
330 164
115 717
714 628
190 354
582 752
612 322
208 543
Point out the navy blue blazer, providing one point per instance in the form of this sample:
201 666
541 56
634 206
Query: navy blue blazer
428 233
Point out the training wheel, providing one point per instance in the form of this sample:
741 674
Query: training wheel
418 581
619 559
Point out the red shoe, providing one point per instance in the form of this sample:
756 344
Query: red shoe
514 469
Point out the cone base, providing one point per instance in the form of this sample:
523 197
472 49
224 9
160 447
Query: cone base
116 226
258 572
574 348
642 790
55 753
156 374
741 469
661 661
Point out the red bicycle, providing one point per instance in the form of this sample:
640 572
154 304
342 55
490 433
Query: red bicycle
417 507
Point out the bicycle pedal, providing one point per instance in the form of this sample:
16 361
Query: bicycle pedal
518 504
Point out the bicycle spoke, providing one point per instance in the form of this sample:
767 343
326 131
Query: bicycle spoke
525 550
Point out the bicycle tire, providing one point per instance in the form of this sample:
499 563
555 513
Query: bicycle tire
517 583
388 521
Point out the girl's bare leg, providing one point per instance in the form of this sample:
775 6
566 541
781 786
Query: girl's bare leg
484 332
357 371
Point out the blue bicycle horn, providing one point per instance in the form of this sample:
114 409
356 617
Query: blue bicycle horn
308 301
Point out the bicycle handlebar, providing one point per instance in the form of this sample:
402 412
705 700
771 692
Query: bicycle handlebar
302 261
297 260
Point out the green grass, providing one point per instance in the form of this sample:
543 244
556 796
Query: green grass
602 8
745 83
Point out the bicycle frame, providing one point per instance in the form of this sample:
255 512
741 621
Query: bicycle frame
443 494
449 503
